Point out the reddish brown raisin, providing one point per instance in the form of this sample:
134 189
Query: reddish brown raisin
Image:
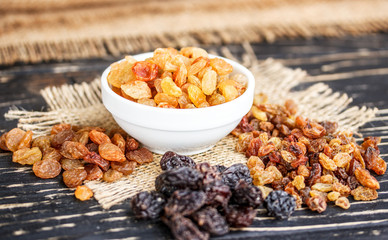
131 144
59 128
125 167
119 141
2 142
98 137
145 71
141 156
61 137
94 172
47 168
74 177
92 147
73 150
94 158
111 152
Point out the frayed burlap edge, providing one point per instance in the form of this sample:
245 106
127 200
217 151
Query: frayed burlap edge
80 104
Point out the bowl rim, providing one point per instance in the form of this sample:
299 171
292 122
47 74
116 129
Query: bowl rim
173 112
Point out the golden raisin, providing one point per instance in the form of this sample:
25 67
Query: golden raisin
363 176
196 95
364 194
27 156
221 66
74 177
13 138
47 168
342 202
68 164
169 87
83 193
112 175
137 89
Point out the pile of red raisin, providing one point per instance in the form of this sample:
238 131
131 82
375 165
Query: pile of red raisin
199 200
311 160
83 153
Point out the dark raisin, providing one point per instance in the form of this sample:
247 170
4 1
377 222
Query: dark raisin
340 173
315 174
217 193
220 168
280 204
211 221
184 229
148 205
240 216
172 160
210 173
352 182
247 195
253 147
370 157
305 194
92 147
178 178
244 125
232 175
184 202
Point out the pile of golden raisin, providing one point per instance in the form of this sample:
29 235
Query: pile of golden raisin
83 153
176 79
312 161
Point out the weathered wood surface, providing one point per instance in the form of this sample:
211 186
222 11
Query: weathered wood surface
31 208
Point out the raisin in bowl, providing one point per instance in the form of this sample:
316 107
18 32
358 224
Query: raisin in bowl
185 131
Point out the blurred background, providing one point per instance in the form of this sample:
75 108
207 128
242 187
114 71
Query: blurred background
33 31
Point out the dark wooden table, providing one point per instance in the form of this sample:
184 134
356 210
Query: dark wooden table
31 208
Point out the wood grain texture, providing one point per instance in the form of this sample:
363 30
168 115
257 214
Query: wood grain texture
32 208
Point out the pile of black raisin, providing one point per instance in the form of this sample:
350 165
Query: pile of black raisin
199 200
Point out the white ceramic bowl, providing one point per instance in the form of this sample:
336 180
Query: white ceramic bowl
185 131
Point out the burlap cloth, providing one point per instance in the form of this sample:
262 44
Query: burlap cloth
44 30
80 104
